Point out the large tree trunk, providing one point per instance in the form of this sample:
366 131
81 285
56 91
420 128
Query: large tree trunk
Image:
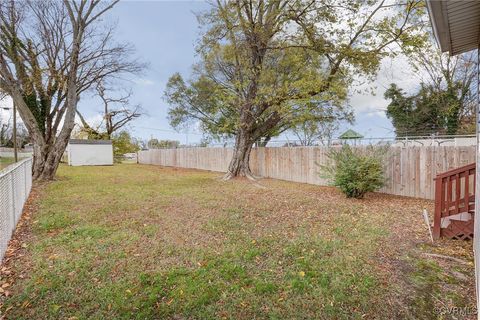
52 150
240 164
46 159
245 139
47 150
40 152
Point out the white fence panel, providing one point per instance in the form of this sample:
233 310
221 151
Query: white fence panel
15 186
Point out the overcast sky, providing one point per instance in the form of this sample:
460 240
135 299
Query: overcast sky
164 35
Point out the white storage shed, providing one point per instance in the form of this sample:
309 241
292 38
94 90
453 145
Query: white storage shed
90 152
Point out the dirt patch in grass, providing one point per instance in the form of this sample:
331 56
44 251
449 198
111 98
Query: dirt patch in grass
146 242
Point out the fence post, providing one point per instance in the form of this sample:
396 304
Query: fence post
437 218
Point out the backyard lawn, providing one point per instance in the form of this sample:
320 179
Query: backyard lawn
146 242
5 162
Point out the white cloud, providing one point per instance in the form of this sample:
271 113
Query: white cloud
144 82
93 121
6 102
6 115
368 98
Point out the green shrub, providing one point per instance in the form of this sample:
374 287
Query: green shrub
355 171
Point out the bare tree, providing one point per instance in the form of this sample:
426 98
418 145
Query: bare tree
457 74
320 122
6 134
445 100
311 131
117 112
50 53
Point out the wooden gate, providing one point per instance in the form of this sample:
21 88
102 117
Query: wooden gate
455 203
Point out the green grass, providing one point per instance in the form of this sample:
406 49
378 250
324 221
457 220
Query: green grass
144 242
5 162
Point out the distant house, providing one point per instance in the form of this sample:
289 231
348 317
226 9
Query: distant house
350 135
90 152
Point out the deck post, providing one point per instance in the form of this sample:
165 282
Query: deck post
437 217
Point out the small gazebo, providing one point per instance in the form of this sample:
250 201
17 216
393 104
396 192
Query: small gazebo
350 135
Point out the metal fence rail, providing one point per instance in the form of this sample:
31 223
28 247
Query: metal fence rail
15 186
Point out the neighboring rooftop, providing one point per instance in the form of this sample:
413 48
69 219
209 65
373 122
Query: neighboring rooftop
85 141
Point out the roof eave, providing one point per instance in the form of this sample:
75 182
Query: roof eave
438 18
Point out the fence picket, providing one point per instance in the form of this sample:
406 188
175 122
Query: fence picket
409 170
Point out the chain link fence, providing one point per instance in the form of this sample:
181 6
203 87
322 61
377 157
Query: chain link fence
15 186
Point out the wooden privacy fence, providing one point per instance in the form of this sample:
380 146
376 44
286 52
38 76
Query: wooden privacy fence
410 171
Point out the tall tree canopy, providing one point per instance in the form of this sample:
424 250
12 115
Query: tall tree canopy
262 61
124 143
50 53
444 103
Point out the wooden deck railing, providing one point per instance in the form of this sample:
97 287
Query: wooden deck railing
455 203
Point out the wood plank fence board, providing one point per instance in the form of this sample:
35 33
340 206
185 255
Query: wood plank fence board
409 171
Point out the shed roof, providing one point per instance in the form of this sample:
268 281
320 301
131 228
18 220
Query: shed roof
84 141
350 134
456 24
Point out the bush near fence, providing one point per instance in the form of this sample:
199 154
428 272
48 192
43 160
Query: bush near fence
15 186
410 171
